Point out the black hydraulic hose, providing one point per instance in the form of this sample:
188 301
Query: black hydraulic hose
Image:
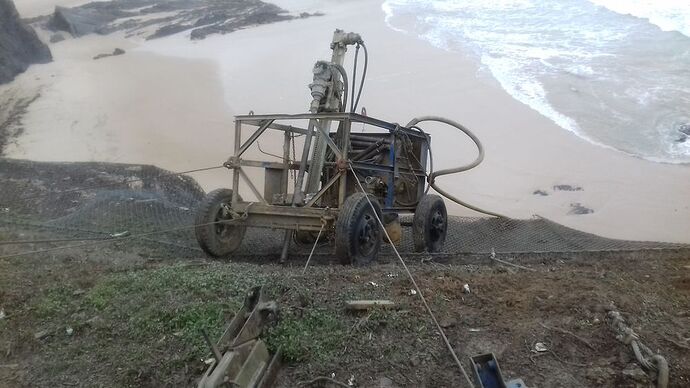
354 80
434 174
343 74
353 108
364 152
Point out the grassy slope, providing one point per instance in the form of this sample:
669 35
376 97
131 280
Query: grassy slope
138 323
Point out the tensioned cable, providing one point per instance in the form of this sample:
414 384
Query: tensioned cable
414 282
25 242
110 240
323 224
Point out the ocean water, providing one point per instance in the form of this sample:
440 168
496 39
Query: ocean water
616 73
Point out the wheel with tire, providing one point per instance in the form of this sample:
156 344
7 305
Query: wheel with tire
217 239
430 224
358 234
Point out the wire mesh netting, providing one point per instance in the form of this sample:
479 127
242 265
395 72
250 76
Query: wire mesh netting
97 200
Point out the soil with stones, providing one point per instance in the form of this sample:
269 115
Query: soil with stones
130 312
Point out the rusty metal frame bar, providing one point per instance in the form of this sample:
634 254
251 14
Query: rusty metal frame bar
261 164
287 137
329 141
342 186
336 116
282 217
235 174
254 136
323 190
308 216
251 185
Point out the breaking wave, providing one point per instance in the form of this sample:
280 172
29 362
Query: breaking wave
617 81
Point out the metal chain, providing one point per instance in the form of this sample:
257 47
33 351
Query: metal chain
649 360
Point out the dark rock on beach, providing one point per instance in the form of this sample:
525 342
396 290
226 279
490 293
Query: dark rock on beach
116 52
159 18
84 20
684 130
578 209
567 188
19 44
58 37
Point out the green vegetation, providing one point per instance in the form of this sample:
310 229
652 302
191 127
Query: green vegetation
316 335
168 304
151 320
53 302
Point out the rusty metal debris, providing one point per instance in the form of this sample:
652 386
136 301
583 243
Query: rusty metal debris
240 358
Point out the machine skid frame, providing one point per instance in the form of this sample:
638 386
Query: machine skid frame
316 210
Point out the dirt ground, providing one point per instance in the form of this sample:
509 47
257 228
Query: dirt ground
130 312
136 321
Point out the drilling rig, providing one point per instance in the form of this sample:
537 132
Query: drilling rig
347 186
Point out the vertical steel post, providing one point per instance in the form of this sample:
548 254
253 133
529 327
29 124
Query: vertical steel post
391 177
339 46
318 91
297 195
286 163
342 185
235 173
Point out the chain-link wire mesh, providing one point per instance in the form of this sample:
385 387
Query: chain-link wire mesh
87 200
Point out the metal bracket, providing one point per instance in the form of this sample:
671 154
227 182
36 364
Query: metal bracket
246 362
488 373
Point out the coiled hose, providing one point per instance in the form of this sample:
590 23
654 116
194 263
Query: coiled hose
431 178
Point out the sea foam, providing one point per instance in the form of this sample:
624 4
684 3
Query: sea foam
589 69
669 15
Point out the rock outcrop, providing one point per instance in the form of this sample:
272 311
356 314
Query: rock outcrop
19 44
159 18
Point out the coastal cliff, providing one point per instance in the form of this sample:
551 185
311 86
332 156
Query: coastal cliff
19 44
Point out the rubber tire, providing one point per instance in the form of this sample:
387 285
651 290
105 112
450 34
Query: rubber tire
355 211
425 229
207 235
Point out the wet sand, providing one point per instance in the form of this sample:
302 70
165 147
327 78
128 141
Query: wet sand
170 102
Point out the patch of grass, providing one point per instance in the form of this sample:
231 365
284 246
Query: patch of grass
53 302
184 323
173 301
317 335
206 282
147 322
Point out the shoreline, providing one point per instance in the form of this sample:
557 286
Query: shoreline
205 82
588 90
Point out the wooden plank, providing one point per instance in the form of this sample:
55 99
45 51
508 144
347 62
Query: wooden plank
360 305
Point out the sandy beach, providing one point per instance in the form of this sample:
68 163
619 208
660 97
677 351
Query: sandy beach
170 102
